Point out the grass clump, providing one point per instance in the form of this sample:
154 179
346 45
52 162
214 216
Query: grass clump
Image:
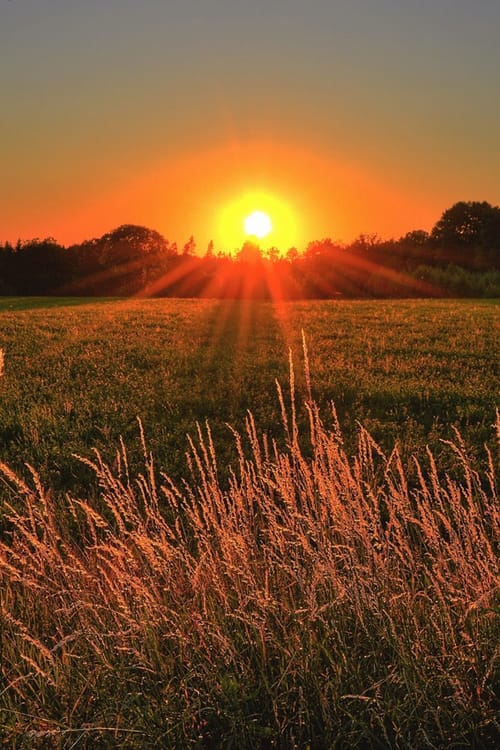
318 600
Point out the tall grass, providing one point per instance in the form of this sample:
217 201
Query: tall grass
319 600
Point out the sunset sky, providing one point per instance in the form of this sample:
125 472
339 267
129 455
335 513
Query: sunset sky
334 116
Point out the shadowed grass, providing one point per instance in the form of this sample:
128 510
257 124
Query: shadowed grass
317 601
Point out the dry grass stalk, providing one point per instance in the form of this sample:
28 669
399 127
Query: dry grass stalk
318 596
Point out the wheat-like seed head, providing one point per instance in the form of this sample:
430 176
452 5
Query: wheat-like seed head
316 570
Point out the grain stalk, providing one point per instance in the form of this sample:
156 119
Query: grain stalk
317 600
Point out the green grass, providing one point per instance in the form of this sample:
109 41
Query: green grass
79 372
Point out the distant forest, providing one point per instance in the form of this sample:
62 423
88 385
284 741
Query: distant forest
459 257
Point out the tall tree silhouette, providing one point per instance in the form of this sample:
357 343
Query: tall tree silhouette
469 233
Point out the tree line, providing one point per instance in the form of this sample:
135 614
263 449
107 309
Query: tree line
459 257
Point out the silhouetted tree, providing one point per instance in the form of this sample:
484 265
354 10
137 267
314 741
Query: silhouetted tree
130 242
133 259
39 267
6 269
190 247
416 238
469 233
122 261
413 249
250 253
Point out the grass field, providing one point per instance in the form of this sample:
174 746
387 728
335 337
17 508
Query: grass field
79 372
324 593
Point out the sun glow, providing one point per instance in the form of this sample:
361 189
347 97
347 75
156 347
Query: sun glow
261 215
258 224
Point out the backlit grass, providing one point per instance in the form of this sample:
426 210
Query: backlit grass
316 601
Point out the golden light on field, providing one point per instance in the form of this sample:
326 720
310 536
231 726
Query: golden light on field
258 214
258 224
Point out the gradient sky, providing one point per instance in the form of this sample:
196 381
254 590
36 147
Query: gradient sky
352 115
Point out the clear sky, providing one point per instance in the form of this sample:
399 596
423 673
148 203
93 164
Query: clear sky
335 116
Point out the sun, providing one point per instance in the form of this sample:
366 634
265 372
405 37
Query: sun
260 214
258 224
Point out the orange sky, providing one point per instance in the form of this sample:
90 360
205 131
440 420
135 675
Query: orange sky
346 118
189 194
194 190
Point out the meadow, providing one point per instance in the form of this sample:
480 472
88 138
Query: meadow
78 374
301 576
